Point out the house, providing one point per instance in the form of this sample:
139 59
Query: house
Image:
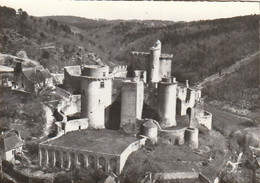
6 75
32 79
10 145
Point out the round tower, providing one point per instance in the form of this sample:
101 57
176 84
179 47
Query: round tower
191 137
154 70
150 129
167 102
96 94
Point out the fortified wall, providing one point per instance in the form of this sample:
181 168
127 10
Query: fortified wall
87 143
72 77
120 71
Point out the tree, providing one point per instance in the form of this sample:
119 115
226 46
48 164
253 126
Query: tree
42 85
24 16
22 54
42 35
20 11
45 54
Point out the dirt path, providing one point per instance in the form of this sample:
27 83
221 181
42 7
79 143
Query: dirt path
226 122
227 71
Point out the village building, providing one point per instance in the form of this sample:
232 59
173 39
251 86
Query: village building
10 145
6 76
32 79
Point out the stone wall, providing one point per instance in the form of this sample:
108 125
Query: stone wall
72 125
175 136
185 99
120 71
71 105
205 119
72 77
131 148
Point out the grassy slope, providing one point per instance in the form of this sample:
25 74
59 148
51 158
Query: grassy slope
240 89
200 48
53 44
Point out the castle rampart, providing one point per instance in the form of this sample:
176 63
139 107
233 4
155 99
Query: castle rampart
120 71
72 77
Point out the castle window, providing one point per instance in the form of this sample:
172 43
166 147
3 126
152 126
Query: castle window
104 73
102 84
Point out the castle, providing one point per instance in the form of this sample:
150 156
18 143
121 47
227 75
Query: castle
112 107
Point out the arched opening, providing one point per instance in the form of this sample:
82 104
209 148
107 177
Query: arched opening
82 161
112 165
50 153
57 155
91 162
43 157
102 163
188 112
65 159
72 160
112 115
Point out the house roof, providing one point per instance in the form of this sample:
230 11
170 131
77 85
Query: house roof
10 140
6 69
31 75
39 67
45 73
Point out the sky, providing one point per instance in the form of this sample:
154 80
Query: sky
142 10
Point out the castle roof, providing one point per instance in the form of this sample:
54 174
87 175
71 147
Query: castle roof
102 141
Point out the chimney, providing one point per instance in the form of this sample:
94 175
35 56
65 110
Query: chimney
174 79
187 83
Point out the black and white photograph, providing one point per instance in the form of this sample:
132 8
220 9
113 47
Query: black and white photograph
129 92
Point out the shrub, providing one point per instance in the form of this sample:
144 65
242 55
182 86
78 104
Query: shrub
22 54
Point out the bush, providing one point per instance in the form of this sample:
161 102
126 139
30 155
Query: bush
22 54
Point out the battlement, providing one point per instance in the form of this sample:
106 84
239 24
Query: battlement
140 53
109 77
120 67
166 56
